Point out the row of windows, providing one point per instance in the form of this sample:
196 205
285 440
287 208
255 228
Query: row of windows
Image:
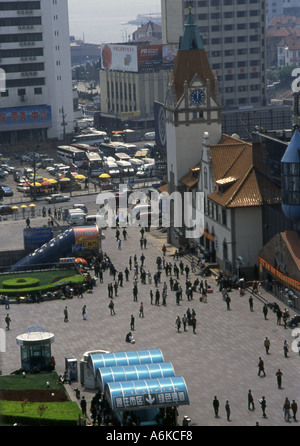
21 5
19 68
28 37
30 82
22 92
22 52
238 52
221 16
20 21
214 3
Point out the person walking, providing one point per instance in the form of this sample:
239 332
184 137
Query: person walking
263 405
261 367
251 303
151 297
126 274
216 405
157 297
7 321
227 409
66 315
6 302
250 401
178 324
267 345
132 322
184 321
141 314
194 323
285 349
286 409
228 300
83 312
83 406
112 308
265 311
279 378
294 408
135 293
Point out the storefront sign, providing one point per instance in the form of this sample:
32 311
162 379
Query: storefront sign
25 117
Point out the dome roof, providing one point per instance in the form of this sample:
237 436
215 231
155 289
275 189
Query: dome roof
292 153
35 335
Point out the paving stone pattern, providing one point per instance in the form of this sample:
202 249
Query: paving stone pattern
219 360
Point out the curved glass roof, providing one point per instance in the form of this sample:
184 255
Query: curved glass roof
133 372
119 359
147 394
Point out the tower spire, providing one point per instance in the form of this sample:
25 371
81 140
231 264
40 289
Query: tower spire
191 39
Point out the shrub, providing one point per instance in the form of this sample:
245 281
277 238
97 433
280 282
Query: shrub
20 283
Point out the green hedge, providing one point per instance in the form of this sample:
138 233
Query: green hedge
26 282
56 414
73 280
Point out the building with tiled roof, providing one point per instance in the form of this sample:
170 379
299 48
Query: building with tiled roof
236 188
150 32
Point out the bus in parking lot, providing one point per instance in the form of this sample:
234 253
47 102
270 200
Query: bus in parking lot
71 155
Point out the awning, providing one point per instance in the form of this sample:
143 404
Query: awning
133 372
147 394
119 359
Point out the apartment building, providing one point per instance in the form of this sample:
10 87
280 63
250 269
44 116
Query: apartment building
36 99
233 33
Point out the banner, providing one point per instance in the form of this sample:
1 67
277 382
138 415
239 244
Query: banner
86 238
19 118
279 275
119 57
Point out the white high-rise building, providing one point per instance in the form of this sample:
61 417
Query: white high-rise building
36 98
233 33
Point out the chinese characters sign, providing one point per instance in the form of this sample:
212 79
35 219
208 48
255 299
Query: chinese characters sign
25 117
173 398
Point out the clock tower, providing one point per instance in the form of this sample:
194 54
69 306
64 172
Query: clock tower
192 106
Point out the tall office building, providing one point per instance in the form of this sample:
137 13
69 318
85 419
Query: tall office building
36 99
233 33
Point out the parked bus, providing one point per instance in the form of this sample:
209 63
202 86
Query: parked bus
71 155
85 147
93 139
95 165
111 148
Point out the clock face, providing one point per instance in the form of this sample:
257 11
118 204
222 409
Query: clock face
197 97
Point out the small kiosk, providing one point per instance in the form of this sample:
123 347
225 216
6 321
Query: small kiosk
71 368
35 346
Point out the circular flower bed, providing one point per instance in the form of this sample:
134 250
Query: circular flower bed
26 282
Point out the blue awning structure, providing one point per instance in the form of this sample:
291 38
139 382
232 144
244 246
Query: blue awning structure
133 372
147 394
119 359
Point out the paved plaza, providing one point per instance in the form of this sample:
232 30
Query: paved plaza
220 359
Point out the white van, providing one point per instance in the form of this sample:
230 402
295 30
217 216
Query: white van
96 220
77 218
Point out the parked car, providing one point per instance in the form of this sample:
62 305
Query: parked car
18 174
57 198
22 188
5 210
3 174
7 191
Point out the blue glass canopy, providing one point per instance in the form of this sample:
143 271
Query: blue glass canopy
119 359
147 394
133 372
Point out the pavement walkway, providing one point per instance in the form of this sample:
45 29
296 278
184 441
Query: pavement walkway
220 359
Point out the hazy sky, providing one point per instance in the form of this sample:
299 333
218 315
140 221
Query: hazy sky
104 21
